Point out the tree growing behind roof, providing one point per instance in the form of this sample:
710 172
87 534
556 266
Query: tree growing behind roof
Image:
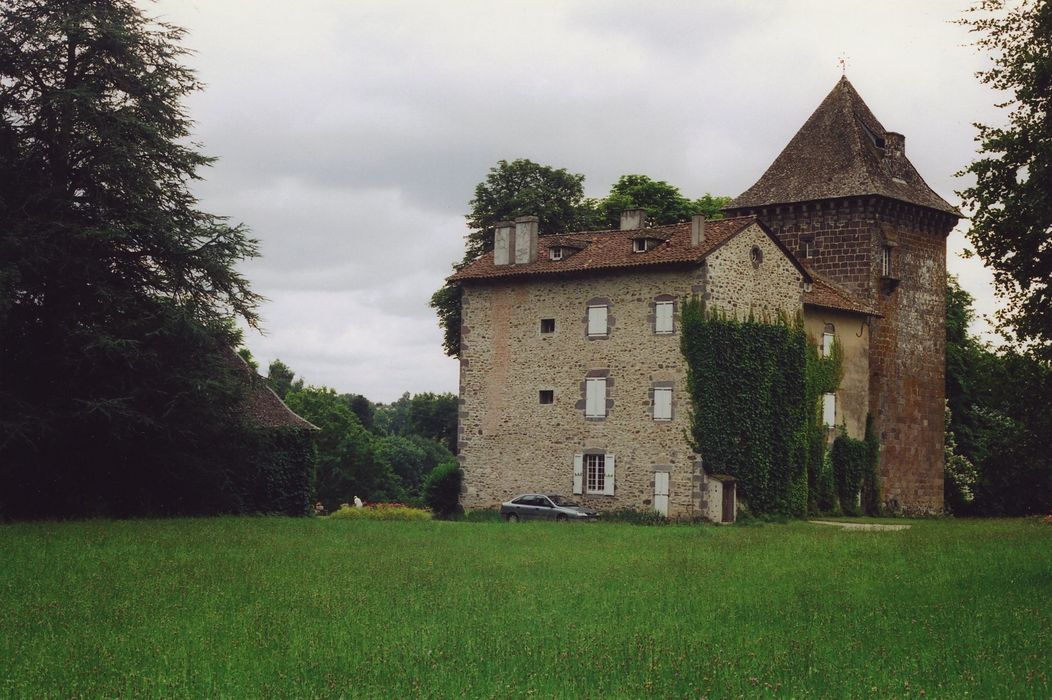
556 196
662 202
1011 201
117 293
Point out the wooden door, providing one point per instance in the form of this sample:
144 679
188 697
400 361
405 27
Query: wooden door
728 501
661 492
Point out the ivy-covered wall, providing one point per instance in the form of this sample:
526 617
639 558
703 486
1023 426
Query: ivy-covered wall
748 388
756 388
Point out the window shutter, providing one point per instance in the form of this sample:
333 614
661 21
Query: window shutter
662 404
829 409
578 474
595 397
663 320
608 476
827 344
596 320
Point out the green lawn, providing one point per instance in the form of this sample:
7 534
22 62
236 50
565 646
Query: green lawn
312 607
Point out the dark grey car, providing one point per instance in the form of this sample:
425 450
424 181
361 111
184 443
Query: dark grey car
544 507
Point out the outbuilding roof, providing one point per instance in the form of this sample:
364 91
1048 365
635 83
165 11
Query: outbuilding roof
261 405
842 150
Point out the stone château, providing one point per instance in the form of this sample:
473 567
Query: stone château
572 380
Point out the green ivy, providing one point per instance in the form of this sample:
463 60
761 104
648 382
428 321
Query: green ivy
823 377
748 385
855 472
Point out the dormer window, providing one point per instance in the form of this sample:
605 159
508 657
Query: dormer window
639 245
555 253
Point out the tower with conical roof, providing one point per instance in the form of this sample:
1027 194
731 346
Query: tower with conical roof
843 196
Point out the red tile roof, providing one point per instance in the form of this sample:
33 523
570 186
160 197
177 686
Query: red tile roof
606 250
612 250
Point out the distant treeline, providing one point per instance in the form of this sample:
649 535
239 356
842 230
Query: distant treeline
376 451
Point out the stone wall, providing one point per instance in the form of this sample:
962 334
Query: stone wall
852 333
510 443
907 345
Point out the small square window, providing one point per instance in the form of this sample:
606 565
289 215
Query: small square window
547 396
639 245
556 254
547 325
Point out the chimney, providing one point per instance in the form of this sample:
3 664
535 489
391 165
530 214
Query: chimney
503 242
632 219
697 230
894 145
525 239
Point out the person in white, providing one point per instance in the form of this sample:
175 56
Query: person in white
358 502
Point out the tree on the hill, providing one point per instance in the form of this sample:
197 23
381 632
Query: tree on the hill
662 202
116 292
1011 202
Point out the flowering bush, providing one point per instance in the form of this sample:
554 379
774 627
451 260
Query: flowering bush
381 511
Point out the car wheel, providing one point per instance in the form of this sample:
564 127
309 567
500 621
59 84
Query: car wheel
513 518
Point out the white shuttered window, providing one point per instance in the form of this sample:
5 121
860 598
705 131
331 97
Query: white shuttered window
595 397
597 320
663 404
827 344
829 409
663 318
578 474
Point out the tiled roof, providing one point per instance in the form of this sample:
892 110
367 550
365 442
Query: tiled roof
828 295
607 250
841 151
262 406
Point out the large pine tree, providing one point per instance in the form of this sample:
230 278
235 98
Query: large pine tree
117 293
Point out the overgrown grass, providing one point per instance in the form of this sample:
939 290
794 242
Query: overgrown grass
325 607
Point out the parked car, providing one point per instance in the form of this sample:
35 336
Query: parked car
542 506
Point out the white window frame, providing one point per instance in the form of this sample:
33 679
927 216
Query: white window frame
593 473
662 403
598 317
595 397
664 324
639 245
829 410
556 253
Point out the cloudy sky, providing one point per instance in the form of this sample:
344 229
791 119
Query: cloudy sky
351 133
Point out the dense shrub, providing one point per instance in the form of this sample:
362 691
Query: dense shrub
442 490
381 511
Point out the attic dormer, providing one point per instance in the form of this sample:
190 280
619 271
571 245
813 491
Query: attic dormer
560 250
644 241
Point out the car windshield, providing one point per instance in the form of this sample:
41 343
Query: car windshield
560 501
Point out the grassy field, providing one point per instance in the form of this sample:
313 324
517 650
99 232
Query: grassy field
313 607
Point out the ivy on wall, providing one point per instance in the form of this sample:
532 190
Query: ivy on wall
748 385
756 389
855 472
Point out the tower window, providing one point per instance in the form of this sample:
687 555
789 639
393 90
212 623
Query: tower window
809 249
547 325
885 262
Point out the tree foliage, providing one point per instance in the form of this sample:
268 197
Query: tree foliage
999 420
117 293
282 380
1011 202
662 202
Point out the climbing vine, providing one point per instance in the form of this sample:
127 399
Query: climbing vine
747 383
756 389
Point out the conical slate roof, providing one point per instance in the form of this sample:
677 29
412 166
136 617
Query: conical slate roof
842 151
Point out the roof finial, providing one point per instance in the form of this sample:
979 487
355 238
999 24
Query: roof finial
842 61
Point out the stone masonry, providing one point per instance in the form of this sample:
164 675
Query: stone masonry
511 443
